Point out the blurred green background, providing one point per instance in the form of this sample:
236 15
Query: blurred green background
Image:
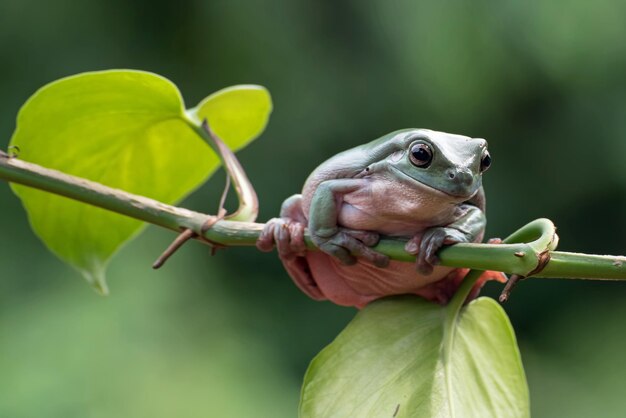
230 335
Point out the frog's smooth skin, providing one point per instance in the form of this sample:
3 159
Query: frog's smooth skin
415 183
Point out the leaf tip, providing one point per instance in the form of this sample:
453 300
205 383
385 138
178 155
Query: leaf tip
98 282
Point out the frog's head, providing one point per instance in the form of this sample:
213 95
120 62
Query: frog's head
452 164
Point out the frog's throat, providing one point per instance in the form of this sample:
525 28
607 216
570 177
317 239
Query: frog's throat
405 177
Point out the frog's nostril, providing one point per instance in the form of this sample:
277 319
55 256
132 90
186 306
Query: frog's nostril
460 176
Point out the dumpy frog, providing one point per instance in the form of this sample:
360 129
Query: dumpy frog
417 184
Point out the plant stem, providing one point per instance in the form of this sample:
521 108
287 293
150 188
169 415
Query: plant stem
540 235
520 258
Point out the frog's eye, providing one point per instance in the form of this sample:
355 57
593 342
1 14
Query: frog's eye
421 155
485 162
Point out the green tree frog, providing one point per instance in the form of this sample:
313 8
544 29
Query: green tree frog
422 185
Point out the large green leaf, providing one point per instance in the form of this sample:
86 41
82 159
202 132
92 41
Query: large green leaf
129 130
400 357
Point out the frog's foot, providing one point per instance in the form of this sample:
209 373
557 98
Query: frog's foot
288 236
426 244
348 244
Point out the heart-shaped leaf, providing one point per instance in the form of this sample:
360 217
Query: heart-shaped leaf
238 113
129 130
400 357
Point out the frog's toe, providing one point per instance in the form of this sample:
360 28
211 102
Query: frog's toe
265 242
340 252
282 239
296 238
374 257
495 241
431 242
288 236
347 247
368 238
360 246
413 245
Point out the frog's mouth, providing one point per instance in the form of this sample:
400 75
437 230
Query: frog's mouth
449 192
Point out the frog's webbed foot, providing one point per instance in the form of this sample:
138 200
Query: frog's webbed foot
425 245
286 234
348 244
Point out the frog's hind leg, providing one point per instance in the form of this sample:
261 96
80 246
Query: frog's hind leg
287 234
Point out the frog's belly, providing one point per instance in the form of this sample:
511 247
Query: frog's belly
355 218
390 207
394 224
363 282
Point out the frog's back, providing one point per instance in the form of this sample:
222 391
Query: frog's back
350 163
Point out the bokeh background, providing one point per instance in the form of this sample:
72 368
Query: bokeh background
230 335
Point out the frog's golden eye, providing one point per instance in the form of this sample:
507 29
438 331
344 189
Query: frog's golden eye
421 155
485 162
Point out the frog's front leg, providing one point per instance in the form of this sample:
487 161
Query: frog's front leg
469 227
345 244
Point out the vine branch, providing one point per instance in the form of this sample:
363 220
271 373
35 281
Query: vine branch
523 253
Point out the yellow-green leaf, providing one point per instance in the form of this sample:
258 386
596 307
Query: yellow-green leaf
125 129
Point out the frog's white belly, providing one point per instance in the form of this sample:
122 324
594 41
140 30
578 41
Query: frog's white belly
392 207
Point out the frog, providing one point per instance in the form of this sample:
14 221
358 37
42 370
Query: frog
418 185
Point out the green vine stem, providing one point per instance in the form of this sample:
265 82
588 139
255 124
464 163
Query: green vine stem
528 251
